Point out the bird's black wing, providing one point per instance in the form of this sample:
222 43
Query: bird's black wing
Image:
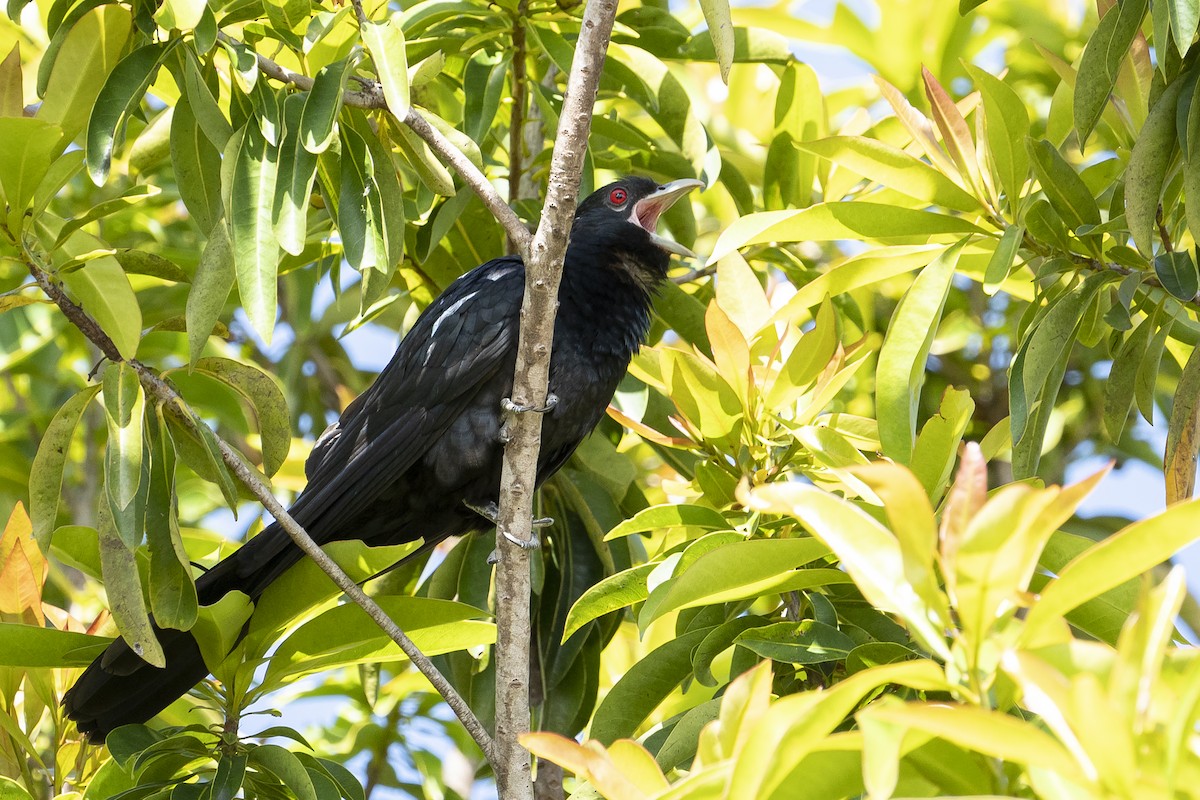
458 344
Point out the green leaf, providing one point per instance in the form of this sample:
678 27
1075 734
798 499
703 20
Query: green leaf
103 289
244 63
29 646
11 790
322 106
1037 371
992 733
794 726
806 642
1148 163
1002 258
1183 436
231 771
127 199
1125 555
1006 124
252 231
346 635
671 515
1184 14
121 95
197 445
901 368
297 169
720 28
1119 388
29 145
197 164
140 262
829 221
12 85
210 290
429 170
359 229
1063 186
124 402
894 168
717 641
680 744
702 395
304 587
936 446
1102 60
1177 272
71 81
873 266
218 628
203 104
1148 371
385 42
173 597
868 552
123 586
613 593
643 686
264 393
285 766
747 569
46 473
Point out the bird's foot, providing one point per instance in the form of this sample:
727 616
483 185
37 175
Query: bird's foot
532 543
491 512
508 405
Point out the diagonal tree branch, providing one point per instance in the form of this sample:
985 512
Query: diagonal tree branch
174 403
543 271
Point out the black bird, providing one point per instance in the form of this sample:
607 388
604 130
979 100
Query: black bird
418 454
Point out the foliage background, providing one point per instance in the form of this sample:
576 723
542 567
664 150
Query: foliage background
943 255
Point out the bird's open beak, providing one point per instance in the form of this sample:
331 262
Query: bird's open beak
647 211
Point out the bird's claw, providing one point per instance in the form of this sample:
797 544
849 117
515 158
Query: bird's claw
508 405
532 543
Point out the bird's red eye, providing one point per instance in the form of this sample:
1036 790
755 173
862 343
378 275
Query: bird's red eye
617 197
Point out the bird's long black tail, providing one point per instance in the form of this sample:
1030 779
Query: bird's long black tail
119 688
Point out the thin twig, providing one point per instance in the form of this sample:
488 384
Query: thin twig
173 402
694 275
1163 233
543 271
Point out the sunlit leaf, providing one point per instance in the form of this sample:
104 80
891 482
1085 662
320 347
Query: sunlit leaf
121 94
895 168
827 221
385 42
902 358
252 231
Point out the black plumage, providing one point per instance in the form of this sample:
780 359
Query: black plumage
418 449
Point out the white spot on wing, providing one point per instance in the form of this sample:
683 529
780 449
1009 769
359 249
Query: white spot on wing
500 273
450 312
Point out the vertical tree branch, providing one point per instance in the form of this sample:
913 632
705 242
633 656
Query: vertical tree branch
543 271
516 128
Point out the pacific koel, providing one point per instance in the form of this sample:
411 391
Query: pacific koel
418 454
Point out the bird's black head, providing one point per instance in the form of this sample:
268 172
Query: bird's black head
616 226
